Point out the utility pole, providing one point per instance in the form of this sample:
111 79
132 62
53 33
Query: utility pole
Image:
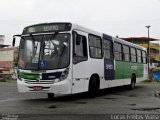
148 50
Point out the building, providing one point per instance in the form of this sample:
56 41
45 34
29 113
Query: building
8 58
2 37
154 48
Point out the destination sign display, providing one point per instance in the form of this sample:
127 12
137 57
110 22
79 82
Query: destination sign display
49 27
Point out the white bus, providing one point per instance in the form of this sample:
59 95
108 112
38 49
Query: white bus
65 58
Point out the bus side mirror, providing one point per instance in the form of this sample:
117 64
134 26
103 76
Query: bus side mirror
14 39
13 42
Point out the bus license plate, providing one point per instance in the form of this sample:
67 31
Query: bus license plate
37 88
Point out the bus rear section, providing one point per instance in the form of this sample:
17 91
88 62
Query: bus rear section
124 62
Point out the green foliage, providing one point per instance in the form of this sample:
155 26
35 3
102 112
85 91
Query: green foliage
15 62
7 80
2 80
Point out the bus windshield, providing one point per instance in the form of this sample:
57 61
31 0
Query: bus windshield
44 52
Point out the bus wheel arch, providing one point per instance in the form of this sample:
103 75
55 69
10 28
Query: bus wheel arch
94 85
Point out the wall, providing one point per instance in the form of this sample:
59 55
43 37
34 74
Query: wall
6 55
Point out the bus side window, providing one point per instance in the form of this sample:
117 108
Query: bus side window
118 51
144 57
133 55
126 52
79 48
95 46
139 56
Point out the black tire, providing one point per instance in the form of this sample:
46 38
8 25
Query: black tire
93 87
51 96
133 82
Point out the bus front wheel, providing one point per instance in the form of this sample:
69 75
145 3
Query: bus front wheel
51 96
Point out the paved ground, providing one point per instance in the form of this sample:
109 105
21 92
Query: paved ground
119 100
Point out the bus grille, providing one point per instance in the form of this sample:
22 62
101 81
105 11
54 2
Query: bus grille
39 81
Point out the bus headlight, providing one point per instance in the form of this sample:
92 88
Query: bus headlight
64 74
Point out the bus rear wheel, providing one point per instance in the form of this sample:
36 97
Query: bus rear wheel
51 96
93 87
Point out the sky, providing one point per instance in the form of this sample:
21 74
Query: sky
123 18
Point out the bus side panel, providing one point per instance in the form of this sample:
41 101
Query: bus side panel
119 74
118 81
97 68
80 76
140 70
127 73
127 70
144 76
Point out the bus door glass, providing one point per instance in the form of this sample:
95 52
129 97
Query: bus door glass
80 57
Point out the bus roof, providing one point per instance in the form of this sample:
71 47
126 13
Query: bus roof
48 23
84 29
128 43
47 27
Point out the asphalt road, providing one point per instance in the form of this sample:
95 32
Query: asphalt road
108 102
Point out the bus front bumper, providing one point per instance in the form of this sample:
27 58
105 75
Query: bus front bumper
62 87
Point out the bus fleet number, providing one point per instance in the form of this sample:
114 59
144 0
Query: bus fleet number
109 66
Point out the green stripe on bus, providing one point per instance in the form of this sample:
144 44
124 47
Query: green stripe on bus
33 76
125 69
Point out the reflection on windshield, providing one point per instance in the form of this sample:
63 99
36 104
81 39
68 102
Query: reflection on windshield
44 52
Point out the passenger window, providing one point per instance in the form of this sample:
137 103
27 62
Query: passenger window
95 44
118 51
126 53
79 48
144 57
133 55
139 56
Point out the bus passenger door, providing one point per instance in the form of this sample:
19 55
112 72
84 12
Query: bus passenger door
79 61
108 58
